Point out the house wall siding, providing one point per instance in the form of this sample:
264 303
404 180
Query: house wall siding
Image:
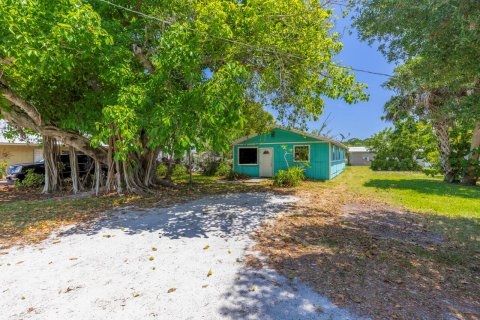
357 158
12 154
337 160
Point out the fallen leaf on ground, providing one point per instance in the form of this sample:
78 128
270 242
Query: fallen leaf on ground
171 290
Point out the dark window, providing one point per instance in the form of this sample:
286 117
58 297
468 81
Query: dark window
302 153
247 156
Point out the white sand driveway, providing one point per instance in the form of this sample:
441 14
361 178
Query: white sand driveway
122 267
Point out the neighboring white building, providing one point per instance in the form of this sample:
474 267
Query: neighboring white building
360 156
19 152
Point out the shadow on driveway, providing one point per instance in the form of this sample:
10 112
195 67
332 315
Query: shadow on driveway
226 215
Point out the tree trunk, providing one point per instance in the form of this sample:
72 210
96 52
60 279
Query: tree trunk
190 179
443 137
97 177
110 183
471 174
50 156
171 166
118 176
72 155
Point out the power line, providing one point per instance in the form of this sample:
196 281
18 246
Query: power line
234 41
194 30
371 72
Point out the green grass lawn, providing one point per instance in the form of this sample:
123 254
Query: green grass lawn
450 209
414 191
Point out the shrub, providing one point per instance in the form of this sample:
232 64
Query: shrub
289 178
31 180
210 168
232 175
162 169
179 170
3 169
223 169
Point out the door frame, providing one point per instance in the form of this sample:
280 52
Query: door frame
260 152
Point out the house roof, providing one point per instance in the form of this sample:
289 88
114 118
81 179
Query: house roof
325 139
358 149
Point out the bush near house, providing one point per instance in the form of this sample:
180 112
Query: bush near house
162 169
179 170
289 178
398 148
32 180
3 169
223 169
217 168
232 175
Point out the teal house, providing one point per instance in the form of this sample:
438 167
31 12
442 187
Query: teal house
263 155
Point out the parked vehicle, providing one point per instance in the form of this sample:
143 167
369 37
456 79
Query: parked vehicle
18 171
85 165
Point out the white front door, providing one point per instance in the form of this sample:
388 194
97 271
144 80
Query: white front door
266 162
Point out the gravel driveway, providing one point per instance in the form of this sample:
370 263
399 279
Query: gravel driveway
182 262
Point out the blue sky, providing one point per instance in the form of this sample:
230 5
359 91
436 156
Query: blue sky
363 119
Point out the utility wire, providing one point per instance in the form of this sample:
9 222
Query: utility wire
233 41
194 30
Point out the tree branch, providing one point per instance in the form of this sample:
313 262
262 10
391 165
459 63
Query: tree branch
24 115
19 102
138 52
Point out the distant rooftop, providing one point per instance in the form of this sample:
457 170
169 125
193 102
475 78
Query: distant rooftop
358 149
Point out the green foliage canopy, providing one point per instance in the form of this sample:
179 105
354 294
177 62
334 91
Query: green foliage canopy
445 33
398 148
188 79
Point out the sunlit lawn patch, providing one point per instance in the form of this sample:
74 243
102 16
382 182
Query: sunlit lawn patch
414 191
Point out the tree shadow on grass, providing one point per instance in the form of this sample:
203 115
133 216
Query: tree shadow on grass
427 186
379 263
